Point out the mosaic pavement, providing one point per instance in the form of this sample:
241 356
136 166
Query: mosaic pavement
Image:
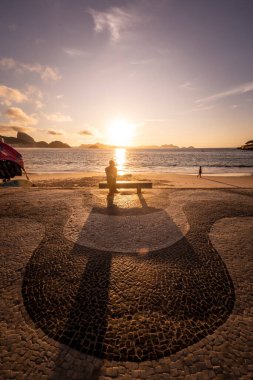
158 286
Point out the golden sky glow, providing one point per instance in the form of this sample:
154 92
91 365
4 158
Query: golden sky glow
161 66
120 133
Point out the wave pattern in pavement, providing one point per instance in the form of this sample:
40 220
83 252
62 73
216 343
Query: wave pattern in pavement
128 306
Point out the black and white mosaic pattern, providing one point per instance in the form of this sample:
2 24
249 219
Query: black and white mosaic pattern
129 306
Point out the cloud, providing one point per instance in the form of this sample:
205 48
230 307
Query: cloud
74 52
17 115
186 85
35 96
8 63
57 117
242 89
54 133
86 133
9 129
10 95
45 72
32 94
115 21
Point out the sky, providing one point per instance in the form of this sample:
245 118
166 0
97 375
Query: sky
140 72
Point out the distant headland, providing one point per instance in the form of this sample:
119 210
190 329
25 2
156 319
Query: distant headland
23 140
104 146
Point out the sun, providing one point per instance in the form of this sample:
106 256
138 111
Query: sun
120 133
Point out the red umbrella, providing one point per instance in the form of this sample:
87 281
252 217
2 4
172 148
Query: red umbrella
10 154
7 153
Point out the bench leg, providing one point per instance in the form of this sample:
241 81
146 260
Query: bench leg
138 190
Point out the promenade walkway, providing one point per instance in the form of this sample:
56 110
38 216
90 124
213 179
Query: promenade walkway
160 286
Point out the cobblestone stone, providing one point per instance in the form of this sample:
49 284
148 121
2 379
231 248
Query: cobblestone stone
213 341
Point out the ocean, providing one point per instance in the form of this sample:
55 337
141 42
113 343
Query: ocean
213 161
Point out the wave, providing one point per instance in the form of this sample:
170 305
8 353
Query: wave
197 166
218 166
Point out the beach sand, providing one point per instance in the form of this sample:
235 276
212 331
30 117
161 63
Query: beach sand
160 180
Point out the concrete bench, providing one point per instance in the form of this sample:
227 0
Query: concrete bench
129 185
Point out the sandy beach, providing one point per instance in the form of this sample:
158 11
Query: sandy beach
160 180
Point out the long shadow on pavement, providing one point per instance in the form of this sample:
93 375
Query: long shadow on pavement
223 183
125 306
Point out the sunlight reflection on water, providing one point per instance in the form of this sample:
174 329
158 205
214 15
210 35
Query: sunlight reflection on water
120 158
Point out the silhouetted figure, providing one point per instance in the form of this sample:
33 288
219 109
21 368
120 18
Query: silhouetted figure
200 172
111 176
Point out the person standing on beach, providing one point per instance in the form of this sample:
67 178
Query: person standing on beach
200 172
111 176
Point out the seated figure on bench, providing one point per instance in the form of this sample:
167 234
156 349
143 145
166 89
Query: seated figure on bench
111 176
